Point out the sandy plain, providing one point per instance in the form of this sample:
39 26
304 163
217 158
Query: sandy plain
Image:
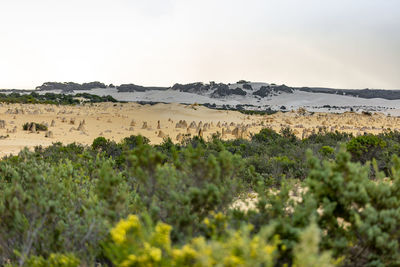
83 123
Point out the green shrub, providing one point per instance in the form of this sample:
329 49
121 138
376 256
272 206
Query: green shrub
182 192
52 98
38 126
266 135
59 202
360 216
57 208
327 150
366 147
100 143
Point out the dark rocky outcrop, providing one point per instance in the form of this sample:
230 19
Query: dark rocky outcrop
364 93
191 87
69 86
130 88
238 91
263 91
243 82
283 88
247 86
268 90
217 89
137 88
223 90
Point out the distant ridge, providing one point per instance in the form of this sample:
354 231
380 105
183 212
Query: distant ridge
363 93
218 90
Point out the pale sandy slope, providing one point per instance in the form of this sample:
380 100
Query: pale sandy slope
311 101
114 121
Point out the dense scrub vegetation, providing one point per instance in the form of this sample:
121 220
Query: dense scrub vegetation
70 86
330 199
362 93
51 98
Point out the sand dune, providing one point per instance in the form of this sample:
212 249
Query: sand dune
81 124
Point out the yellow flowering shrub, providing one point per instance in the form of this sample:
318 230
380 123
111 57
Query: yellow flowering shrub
136 244
215 225
54 260
118 233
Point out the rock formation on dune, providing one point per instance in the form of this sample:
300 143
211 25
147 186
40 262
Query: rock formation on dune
222 90
181 124
137 88
144 126
14 130
193 125
32 127
161 134
15 111
240 132
81 126
179 137
304 134
236 132
49 134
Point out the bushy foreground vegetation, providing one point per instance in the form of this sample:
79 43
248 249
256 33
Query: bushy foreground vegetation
331 199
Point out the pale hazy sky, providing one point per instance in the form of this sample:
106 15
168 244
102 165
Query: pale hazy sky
336 43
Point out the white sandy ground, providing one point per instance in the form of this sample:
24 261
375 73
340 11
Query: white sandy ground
310 101
117 121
